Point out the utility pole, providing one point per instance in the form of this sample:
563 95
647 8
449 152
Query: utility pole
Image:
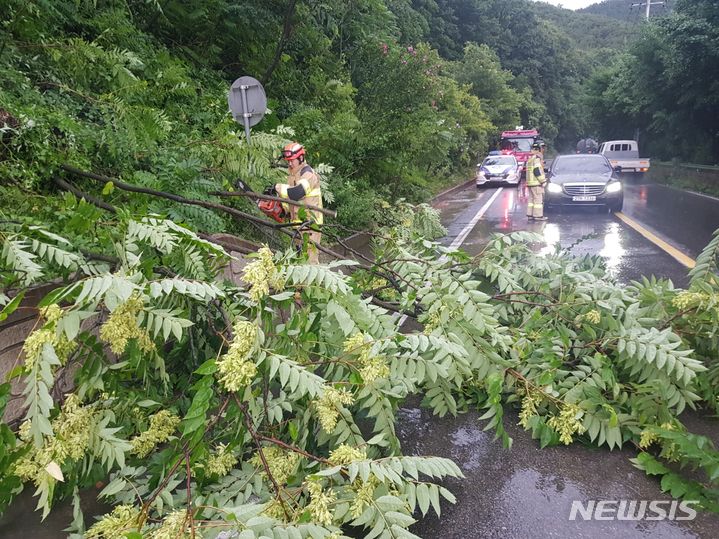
648 5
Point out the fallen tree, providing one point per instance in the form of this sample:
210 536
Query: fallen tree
269 408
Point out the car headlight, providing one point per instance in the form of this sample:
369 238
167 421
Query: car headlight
614 187
554 188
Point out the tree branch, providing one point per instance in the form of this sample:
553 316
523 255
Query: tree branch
82 194
169 196
193 202
188 480
325 211
286 31
256 439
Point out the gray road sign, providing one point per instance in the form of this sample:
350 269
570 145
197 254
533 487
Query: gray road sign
248 102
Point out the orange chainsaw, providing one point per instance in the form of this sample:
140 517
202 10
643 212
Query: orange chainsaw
271 208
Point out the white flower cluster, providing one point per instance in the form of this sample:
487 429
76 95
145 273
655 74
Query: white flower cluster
235 369
73 429
162 425
346 454
281 463
372 367
122 326
262 274
116 525
328 407
48 334
529 407
593 317
686 299
220 462
320 502
364 491
567 423
173 527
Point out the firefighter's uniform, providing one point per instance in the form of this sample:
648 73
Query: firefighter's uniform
535 184
303 185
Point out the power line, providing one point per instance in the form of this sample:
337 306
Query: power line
648 4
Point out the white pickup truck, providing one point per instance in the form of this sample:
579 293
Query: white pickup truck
625 154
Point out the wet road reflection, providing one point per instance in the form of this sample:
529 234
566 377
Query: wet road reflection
527 491
582 231
687 219
551 234
613 251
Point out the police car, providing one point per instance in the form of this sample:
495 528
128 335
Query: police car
498 167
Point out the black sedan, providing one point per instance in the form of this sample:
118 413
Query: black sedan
586 180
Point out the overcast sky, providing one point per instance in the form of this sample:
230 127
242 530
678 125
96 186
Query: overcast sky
571 4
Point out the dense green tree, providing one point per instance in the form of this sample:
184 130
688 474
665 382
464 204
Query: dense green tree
414 117
549 52
481 68
667 86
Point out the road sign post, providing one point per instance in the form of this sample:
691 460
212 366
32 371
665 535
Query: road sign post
248 102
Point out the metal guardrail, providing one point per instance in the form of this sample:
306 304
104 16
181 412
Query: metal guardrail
701 175
713 168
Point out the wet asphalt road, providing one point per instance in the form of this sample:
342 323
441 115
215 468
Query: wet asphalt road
527 491
685 220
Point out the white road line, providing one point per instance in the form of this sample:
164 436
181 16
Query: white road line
459 240
463 236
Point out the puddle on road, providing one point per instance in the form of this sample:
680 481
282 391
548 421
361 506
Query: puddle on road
469 446
527 491
527 496
22 521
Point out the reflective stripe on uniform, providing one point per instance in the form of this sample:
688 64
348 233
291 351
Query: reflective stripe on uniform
532 163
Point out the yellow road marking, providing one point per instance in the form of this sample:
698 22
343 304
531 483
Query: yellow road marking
669 249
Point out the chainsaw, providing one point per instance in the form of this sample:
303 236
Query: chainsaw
271 208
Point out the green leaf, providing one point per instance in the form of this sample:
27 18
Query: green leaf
12 306
147 403
208 367
115 486
423 498
650 465
294 431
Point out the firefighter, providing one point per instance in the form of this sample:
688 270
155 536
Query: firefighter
535 184
303 184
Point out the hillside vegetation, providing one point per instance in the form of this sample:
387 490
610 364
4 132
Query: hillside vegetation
665 84
137 90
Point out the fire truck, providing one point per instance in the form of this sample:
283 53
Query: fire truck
519 144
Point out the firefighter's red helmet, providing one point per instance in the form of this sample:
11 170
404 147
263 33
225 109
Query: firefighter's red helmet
294 150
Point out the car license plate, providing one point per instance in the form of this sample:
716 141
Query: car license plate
584 198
